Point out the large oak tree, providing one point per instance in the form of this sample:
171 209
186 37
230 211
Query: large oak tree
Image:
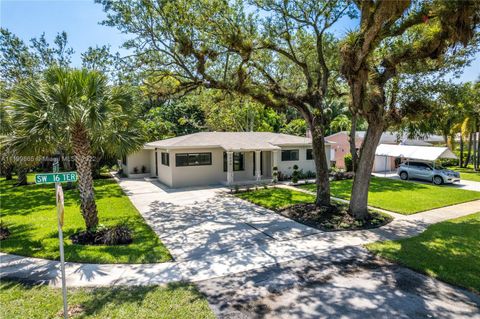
279 53
395 39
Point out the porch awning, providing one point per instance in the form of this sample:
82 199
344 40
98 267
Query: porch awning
426 153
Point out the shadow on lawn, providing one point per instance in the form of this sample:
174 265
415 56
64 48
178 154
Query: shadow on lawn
40 197
96 299
448 250
101 297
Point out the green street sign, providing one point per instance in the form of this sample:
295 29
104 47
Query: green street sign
49 178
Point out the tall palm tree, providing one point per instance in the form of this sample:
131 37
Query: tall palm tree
80 110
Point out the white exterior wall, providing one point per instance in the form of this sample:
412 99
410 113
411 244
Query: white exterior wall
212 174
198 175
138 159
152 163
185 176
286 167
164 171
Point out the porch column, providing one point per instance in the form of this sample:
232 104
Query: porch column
229 168
275 158
258 164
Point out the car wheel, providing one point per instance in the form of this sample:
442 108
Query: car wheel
404 175
437 180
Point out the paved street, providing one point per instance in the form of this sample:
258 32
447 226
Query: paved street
342 283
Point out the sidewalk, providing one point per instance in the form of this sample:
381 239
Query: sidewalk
262 255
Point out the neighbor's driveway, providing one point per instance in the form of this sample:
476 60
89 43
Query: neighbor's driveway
199 223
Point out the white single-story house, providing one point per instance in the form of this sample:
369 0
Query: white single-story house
208 158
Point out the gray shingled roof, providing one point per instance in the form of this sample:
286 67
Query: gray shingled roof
231 141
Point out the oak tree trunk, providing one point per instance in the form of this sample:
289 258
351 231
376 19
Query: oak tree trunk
321 163
83 158
361 183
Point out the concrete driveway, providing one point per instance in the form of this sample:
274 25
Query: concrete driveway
199 223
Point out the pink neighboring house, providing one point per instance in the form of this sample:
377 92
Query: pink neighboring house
341 146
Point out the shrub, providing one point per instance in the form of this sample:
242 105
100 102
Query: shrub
144 169
135 170
348 162
295 174
340 175
265 186
310 174
116 235
275 174
449 162
4 231
283 177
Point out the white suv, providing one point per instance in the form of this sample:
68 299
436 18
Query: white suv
425 171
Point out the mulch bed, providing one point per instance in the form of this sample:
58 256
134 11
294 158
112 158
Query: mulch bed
333 218
117 235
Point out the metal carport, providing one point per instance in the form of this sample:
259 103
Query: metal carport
422 153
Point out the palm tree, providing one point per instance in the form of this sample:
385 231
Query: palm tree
341 123
76 109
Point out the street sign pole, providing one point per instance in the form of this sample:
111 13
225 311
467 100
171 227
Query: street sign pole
60 212
57 178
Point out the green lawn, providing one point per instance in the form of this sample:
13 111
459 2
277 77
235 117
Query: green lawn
18 301
29 213
449 251
276 198
467 173
403 197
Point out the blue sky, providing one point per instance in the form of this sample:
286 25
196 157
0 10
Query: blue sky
80 19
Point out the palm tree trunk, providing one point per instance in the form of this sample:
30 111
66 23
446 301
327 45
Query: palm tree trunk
469 152
478 152
461 151
22 176
67 166
475 150
83 161
359 200
8 169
